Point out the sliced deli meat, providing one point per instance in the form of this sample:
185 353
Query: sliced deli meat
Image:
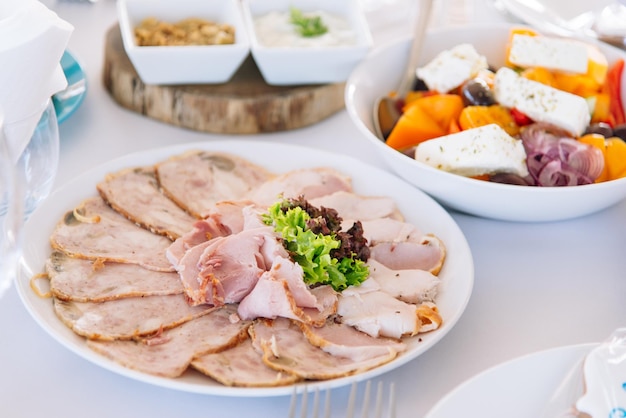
168 354
126 318
429 254
94 231
286 348
377 313
280 292
135 193
208 261
242 365
345 341
225 269
357 207
197 180
412 286
93 281
310 183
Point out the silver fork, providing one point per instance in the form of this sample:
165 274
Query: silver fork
378 410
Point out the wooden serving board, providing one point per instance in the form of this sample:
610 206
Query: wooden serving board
244 105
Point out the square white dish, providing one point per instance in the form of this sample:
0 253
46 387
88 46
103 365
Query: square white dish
189 64
311 64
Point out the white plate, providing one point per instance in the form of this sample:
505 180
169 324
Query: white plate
520 388
457 275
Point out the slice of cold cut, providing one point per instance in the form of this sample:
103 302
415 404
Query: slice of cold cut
197 180
170 353
94 231
91 281
135 193
126 318
286 348
241 366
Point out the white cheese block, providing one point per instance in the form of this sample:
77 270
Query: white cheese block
540 102
484 150
548 52
451 68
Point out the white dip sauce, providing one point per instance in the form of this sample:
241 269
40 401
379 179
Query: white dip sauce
275 30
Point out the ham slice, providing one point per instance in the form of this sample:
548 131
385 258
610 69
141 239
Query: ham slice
377 313
197 180
429 254
88 281
281 292
135 194
126 318
382 230
170 353
286 348
412 286
94 231
243 366
225 269
357 207
345 341
310 183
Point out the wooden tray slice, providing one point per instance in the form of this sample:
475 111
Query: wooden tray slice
244 105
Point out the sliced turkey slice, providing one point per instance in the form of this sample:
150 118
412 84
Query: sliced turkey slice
196 180
310 183
357 207
88 281
170 353
379 314
241 366
135 193
429 254
94 231
346 341
286 348
412 286
126 318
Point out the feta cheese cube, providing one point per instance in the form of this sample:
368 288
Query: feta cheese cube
549 52
452 67
542 103
484 150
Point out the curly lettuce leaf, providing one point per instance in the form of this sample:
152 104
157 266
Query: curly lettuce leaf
312 251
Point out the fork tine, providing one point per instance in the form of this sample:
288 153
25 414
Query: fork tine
366 399
304 400
292 403
378 409
351 401
392 400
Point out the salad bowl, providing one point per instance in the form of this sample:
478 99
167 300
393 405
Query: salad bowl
378 75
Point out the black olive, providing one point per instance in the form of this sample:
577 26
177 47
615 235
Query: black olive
601 128
476 92
419 85
620 132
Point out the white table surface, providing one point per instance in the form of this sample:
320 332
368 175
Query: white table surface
537 286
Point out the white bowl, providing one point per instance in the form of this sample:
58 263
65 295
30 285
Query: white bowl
380 72
291 65
191 64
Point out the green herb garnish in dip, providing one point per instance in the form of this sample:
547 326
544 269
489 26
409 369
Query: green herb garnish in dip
313 239
307 26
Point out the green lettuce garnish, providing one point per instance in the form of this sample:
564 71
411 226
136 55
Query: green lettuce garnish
307 26
313 251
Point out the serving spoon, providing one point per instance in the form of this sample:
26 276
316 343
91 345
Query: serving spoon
386 112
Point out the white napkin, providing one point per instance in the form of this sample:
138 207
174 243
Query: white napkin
33 41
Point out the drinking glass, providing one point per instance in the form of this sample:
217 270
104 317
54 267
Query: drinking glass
39 161
25 180
10 214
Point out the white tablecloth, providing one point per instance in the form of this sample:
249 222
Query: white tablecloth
537 285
